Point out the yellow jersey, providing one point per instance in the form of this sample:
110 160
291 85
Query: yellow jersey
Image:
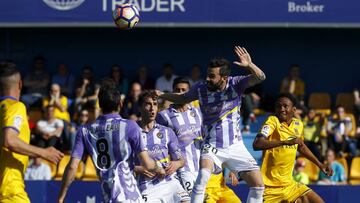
57 112
13 165
216 181
278 163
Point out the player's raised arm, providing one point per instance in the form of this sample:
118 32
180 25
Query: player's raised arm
15 144
177 98
245 61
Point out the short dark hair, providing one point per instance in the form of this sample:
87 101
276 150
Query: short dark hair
7 69
181 80
109 96
225 68
288 96
146 94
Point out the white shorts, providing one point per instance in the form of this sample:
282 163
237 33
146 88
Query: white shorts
188 179
166 192
236 158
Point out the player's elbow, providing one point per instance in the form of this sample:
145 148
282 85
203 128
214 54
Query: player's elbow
257 145
10 142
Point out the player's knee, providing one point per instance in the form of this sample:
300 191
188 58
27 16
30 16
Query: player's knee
202 179
256 192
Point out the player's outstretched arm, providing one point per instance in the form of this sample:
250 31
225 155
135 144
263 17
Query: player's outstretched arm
305 151
68 178
245 61
261 143
175 98
15 144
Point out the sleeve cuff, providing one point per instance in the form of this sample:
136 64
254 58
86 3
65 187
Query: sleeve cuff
12 128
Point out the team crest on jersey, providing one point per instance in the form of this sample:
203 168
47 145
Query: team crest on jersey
265 130
17 121
297 123
192 114
159 135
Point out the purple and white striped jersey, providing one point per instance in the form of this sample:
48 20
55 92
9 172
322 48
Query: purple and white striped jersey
163 147
112 142
187 127
220 110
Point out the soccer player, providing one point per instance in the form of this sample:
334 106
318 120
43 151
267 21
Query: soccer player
163 147
185 120
15 137
220 100
112 142
281 137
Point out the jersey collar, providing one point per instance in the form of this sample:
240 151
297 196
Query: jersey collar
7 97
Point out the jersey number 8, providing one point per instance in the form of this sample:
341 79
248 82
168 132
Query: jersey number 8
103 158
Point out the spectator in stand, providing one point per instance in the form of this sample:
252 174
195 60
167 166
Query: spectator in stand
87 90
293 84
195 75
339 176
165 82
36 82
249 101
142 77
338 128
82 119
313 125
59 101
65 79
131 108
299 175
49 130
117 75
37 170
357 103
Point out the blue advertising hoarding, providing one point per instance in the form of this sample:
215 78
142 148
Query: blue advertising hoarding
183 12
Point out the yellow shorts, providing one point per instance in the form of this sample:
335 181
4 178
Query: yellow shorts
220 195
285 194
18 198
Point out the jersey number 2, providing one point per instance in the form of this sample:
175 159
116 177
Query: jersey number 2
103 158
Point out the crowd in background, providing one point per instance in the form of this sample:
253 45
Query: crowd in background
68 101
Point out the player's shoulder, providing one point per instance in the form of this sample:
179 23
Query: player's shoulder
297 122
163 128
11 105
130 124
272 118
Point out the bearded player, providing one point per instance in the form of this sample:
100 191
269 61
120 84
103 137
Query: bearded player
220 101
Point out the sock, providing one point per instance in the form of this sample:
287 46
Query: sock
255 195
197 195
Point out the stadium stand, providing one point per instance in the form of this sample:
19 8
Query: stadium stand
89 172
355 171
62 165
53 167
346 100
311 169
321 102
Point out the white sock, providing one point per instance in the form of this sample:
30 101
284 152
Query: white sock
255 195
197 195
